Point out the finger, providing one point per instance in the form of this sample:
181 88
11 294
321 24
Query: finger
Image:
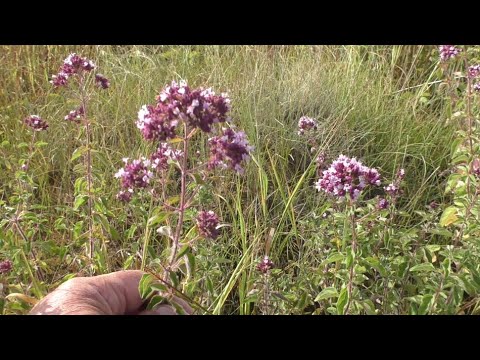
160 310
183 304
120 291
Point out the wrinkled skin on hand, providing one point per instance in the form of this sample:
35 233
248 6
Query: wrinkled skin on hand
111 294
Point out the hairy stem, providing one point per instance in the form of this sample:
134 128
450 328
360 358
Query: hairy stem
183 185
354 247
88 160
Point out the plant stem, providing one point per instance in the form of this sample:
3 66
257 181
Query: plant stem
24 237
146 240
354 247
183 191
17 213
469 120
89 168
266 295
36 287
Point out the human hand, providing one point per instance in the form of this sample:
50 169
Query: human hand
111 294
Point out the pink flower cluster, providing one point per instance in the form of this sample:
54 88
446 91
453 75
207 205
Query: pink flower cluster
164 153
448 52
75 115
125 195
347 176
177 102
138 173
474 71
135 174
305 124
228 150
102 81
73 65
382 204
207 222
393 189
476 167
5 266
198 108
265 265
156 124
36 123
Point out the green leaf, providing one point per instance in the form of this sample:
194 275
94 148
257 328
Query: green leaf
350 257
80 185
433 248
159 216
174 278
447 266
131 231
183 251
342 301
449 216
375 263
79 201
78 152
77 229
441 232
173 200
327 293
198 179
175 140
252 296
302 301
113 233
333 258
178 308
41 143
369 307
158 287
144 285
426 300
128 262
422 267
191 264
156 300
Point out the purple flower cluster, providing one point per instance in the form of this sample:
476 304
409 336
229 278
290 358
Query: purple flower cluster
73 65
476 167
476 87
177 102
265 265
393 189
75 115
155 124
135 174
228 150
347 176
164 153
382 204
207 222
5 266
125 195
448 52
474 71
200 107
305 124
320 160
36 123
102 81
